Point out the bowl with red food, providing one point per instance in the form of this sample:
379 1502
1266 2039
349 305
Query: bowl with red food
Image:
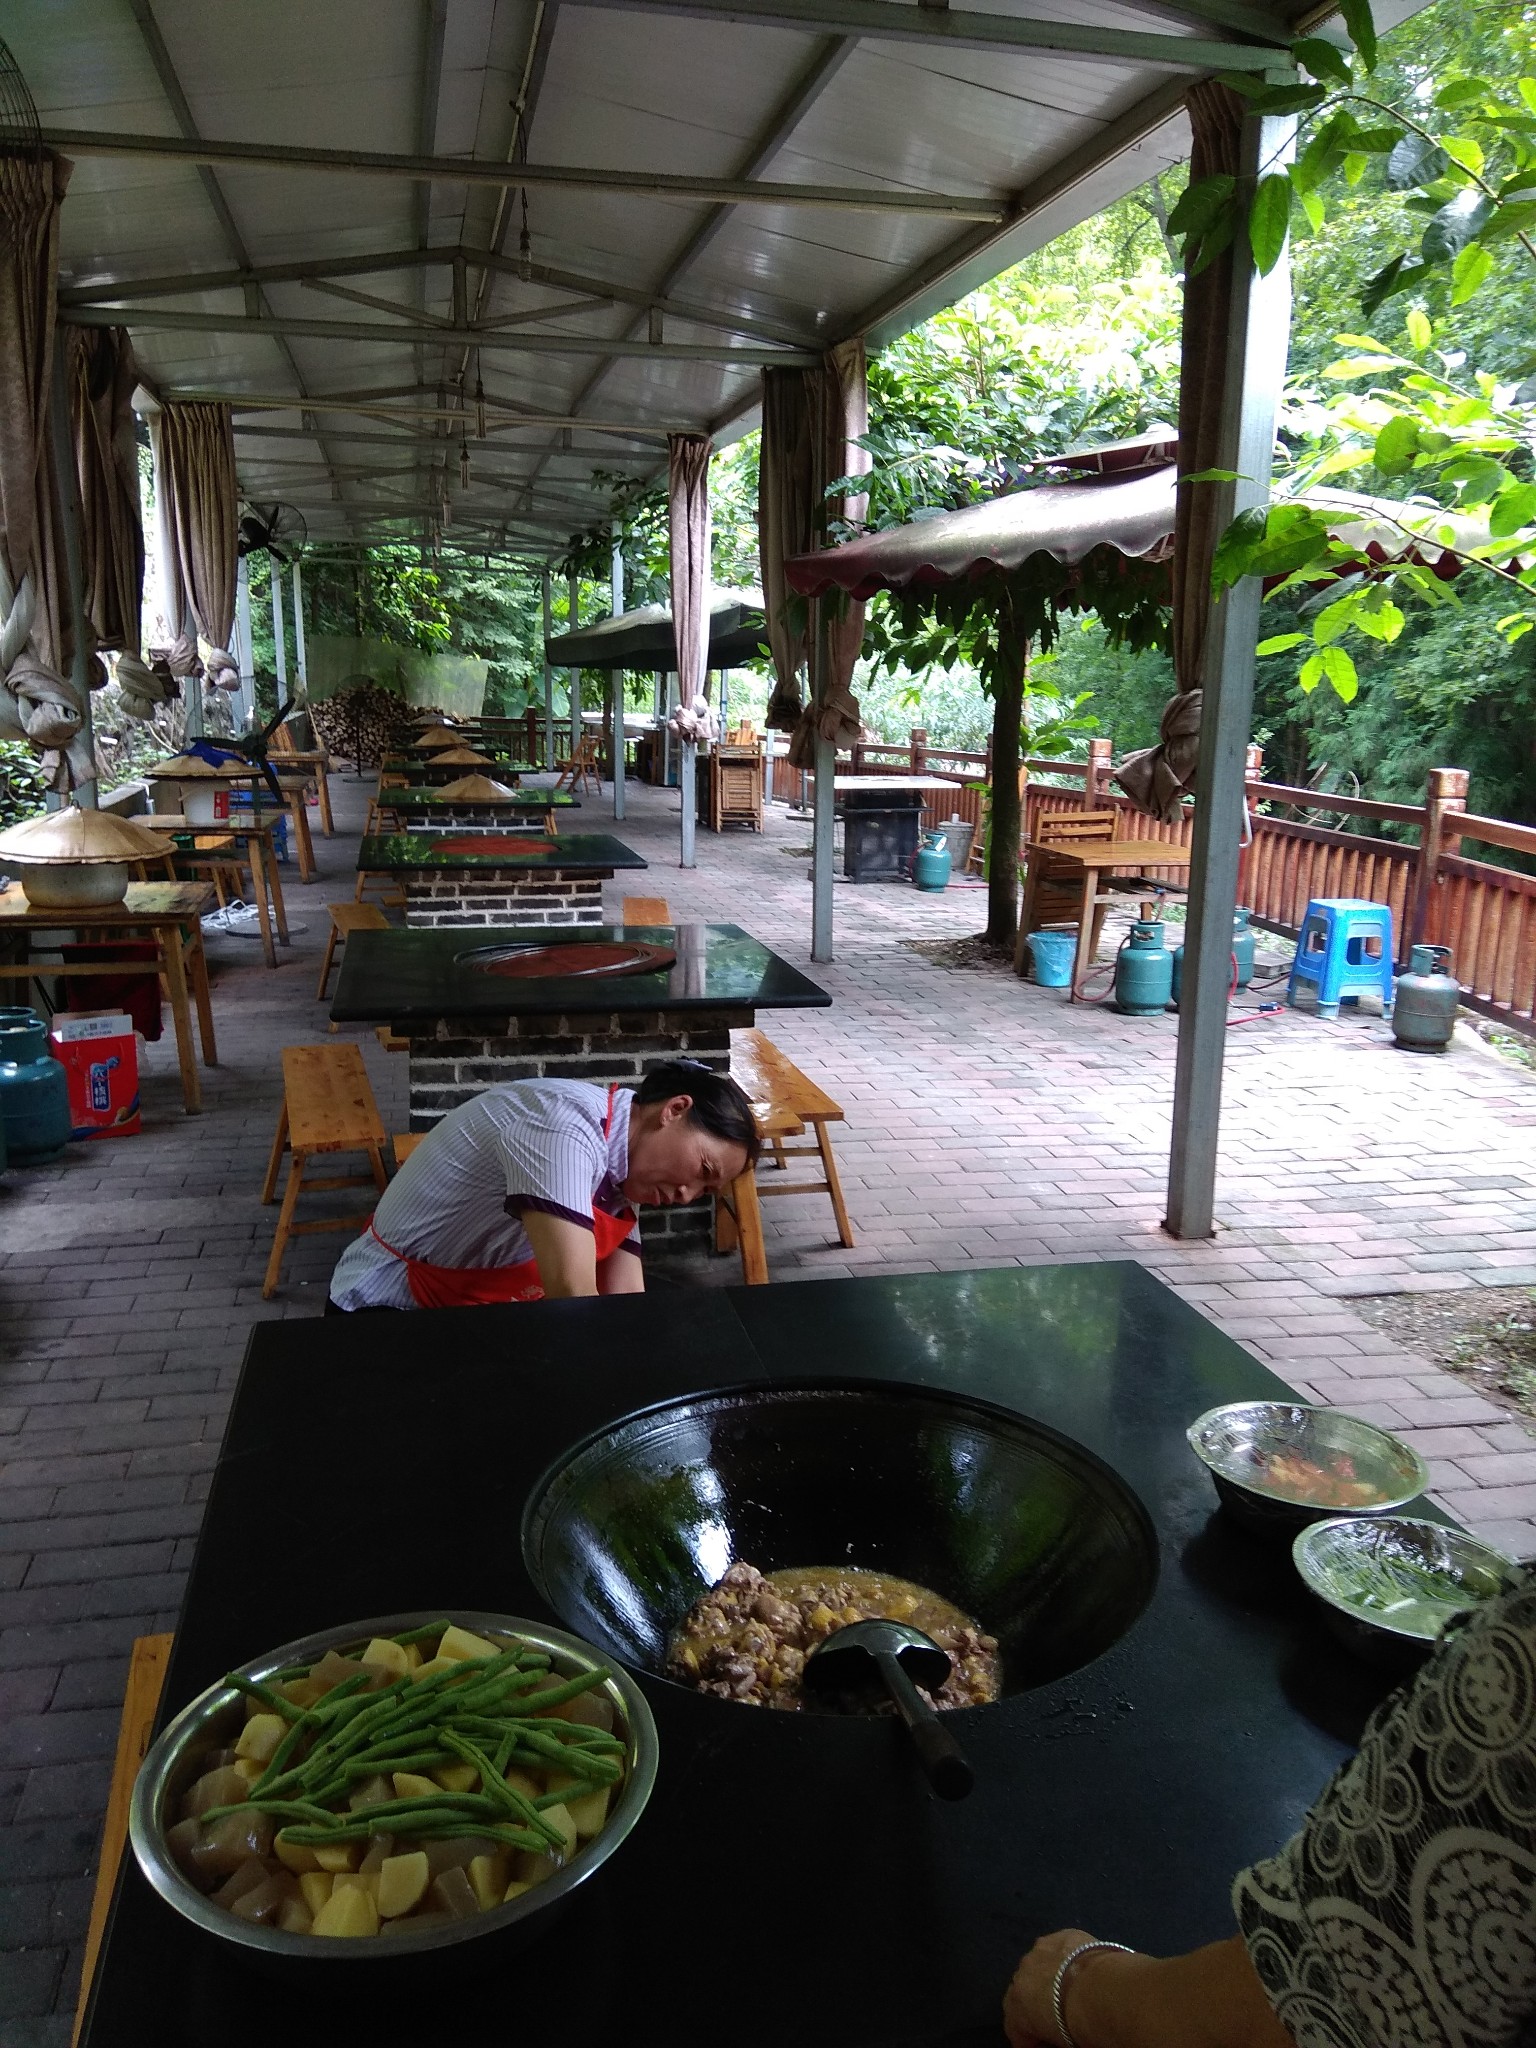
394 1787
1280 1465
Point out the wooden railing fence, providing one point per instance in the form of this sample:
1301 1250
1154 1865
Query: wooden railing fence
1438 895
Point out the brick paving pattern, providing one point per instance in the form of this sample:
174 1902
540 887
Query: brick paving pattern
986 1127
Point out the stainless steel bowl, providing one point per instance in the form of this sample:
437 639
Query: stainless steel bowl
71 884
217 1714
1232 1443
1325 1553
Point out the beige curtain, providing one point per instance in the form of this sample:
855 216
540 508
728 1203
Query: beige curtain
37 700
840 401
688 530
1158 779
197 507
102 377
786 507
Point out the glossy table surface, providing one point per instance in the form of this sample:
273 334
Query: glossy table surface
410 976
517 800
792 1880
146 903
597 853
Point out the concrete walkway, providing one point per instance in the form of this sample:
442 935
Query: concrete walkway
987 1125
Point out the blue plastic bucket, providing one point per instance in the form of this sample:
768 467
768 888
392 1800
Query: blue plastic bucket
1052 953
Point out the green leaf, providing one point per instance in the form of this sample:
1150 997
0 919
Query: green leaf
1420 331
1269 219
1288 99
1365 341
1470 269
1341 672
1311 673
1335 620
1526 87
1463 150
1480 477
1458 222
1396 446
1381 287
1323 60
1512 509
1354 366
1355 163
1362 29
1199 204
1415 161
1461 92
1280 643
1201 252
1238 546
1213 476
1340 460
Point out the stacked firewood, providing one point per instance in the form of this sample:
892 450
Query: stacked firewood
363 722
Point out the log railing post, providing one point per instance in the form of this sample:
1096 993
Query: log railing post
1445 794
1253 772
917 749
1096 781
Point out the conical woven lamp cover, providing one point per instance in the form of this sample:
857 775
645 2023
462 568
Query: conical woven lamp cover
476 788
80 836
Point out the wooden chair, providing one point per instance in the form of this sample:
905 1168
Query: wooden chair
347 918
646 910
328 1106
141 1703
315 758
1054 891
736 788
582 766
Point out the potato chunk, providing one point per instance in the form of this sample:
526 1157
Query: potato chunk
489 1877
297 1858
383 1655
260 1737
458 1643
403 1882
315 1888
559 1816
336 1856
348 1912
412 1785
457 1777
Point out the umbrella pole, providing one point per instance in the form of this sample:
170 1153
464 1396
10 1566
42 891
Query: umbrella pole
821 820
549 687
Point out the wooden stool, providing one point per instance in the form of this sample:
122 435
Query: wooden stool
405 1143
394 890
783 1102
141 1703
328 1106
389 1041
347 918
646 910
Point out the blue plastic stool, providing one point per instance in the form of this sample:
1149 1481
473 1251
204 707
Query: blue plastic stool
1345 949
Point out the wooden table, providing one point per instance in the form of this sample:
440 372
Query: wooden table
172 913
1093 857
293 790
259 856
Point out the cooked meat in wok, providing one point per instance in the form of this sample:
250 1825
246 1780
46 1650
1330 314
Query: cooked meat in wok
749 1637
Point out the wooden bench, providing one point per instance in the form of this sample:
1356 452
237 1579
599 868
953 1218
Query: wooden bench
347 918
141 1702
784 1101
328 1106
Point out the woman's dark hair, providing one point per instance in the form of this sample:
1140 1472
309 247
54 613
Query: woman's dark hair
719 1106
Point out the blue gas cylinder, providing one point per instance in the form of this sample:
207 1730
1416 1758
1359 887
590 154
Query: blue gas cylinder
1243 940
1143 971
34 1096
930 866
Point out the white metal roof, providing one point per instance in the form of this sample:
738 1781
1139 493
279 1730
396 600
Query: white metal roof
914 114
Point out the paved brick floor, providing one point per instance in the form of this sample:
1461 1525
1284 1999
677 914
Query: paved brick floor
986 1126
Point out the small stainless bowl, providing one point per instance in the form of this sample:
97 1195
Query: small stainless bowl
1324 1552
1232 1441
219 1712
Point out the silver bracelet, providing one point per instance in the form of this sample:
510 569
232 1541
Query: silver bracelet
1059 1987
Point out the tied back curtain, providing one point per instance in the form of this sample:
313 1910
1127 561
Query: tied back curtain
688 529
102 377
840 402
1157 779
198 501
37 701
786 525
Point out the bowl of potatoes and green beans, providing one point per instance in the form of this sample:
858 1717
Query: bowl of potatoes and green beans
398 1785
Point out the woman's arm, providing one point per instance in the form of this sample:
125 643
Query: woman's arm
566 1252
622 1272
1209 1999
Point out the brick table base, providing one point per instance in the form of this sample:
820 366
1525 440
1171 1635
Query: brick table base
503 896
458 1061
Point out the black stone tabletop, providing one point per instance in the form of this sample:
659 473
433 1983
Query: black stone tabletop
575 853
516 800
792 1880
416 976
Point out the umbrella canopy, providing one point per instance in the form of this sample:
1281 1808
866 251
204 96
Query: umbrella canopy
644 639
77 836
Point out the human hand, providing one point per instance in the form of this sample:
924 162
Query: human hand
1027 2017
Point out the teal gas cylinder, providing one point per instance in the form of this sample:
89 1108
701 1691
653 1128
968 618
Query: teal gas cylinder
1425 1001
34 1097
1143 971
930 866
1242 945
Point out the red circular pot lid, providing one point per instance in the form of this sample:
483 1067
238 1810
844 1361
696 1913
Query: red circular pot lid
493 842
596 957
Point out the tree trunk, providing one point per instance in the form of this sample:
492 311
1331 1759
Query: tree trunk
1003 861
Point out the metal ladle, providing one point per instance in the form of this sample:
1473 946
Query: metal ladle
870 1657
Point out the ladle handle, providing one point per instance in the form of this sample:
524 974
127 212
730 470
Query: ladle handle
943 1761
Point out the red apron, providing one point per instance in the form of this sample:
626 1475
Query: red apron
480 1286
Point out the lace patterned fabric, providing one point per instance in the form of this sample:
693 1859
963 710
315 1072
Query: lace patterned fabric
1403 1915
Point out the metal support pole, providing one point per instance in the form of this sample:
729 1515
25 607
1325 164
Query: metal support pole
1258 334
549 686
616 685
68 485
300 663
821 820
279 639
690 804
668 703
245 652
573 675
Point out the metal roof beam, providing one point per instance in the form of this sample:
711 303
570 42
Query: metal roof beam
169 321
83 142
356 298
365 437
359 402
631 295
942 27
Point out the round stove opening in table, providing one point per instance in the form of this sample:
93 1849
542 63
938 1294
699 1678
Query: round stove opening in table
1018 1526
485 844
596 958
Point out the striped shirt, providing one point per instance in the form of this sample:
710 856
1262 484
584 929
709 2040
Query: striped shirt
460 1197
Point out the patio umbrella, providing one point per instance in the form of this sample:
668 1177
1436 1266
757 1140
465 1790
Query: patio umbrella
644 639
